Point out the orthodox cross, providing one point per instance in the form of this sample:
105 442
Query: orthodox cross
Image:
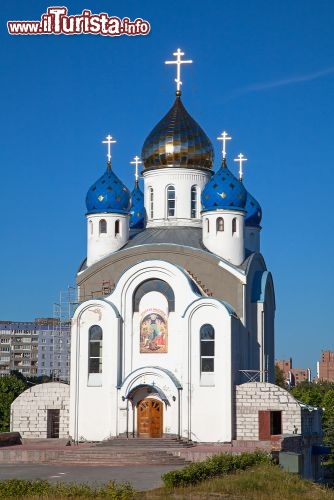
240 159
224 137
178 63
109 140
136 162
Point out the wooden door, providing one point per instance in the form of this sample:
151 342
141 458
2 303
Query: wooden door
53 417
149 418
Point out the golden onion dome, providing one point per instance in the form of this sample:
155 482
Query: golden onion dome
177 141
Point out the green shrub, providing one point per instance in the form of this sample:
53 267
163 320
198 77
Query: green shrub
217 465
18 488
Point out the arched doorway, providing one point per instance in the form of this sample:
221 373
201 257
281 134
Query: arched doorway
149 418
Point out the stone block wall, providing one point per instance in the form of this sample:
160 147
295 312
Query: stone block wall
29 411
253 397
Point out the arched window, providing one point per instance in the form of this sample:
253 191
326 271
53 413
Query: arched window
102 226
117 227
90 227
207 349
207 224
220 224
234 225
151 200
193 202
171 201
95 349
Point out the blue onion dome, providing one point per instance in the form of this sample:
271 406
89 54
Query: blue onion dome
108 195
224 191
137 210
254 211
177 141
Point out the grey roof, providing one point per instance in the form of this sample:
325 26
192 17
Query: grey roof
182 235
185 236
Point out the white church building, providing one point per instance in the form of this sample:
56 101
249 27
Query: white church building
187 307
174 332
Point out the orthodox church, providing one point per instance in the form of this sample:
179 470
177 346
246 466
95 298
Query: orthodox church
190 310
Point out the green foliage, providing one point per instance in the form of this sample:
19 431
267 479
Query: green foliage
320 394
279 377
11 386
215 466
312 393
18 488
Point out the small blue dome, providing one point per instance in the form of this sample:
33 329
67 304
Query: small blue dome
254 211
224 191
108 194
137 210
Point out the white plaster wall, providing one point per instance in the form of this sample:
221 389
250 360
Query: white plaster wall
29 410
101 245
94 399
223 243
209 399
253 397
182 179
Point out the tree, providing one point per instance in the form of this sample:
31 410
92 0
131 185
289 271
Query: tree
328 419
279 377
320 394
11 386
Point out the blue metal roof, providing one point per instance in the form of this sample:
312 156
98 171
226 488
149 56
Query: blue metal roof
108 195
224 191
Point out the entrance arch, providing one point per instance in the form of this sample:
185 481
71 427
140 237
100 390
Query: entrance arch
149 418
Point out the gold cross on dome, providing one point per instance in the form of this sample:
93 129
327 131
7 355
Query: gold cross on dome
178 63
109 140
240 159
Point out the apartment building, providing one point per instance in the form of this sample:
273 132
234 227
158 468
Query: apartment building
293 376
35 348
325 367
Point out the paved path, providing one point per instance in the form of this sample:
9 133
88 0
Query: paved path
140 477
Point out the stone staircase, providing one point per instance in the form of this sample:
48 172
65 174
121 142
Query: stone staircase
123 451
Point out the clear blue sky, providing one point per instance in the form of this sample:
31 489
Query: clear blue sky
263 70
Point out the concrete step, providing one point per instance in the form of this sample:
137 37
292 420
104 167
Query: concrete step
144 443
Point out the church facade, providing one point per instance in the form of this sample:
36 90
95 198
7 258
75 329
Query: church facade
187 309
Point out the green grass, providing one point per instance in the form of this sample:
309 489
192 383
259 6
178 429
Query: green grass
262 482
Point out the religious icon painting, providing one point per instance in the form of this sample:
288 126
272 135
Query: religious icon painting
153 332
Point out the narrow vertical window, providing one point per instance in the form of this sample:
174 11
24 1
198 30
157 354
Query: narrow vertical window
117 230
102 226
95 349
171 201
220 224
207 225
90 227
193 202
207 349
234 225
151 198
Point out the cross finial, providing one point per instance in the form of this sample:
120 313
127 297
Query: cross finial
240 159
136 161
178 63
109 140
224 137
